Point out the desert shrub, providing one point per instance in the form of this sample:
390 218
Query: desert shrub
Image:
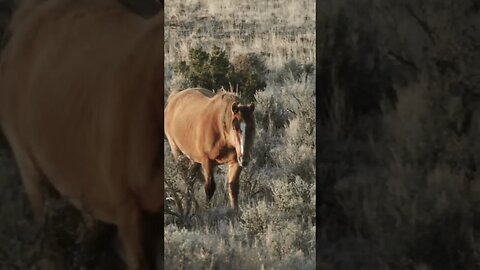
281 102
270 113
274 110
178 82
431 200
219 246
296 149
180 181
291 195
245 74
291 69
209 70
418 201
250 72
203 250
347 50
289 239
257 217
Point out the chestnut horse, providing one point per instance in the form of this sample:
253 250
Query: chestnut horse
211 129
81 106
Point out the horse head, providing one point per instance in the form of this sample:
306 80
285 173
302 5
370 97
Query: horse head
242 130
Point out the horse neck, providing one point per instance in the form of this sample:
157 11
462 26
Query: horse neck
223 124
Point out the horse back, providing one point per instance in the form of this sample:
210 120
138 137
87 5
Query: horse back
188 104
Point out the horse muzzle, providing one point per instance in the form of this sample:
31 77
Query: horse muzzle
242 161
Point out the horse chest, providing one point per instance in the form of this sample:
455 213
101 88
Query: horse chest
226 155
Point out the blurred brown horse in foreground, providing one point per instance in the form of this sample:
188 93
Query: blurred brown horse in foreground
211 129
81 105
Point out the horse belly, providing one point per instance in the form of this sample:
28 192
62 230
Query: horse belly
85 186
180 136
190 149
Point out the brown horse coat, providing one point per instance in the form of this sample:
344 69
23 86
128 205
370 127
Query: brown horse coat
81 105
211 129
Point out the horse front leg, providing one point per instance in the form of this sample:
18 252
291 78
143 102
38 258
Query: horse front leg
207 167
234 170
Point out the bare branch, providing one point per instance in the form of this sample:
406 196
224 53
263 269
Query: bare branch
423 24
403 60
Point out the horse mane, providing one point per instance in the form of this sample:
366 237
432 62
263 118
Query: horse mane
228 98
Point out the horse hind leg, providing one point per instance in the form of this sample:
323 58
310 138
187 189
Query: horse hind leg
34 184
175 151
139 235
174 148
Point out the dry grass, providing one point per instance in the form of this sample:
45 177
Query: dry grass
281 30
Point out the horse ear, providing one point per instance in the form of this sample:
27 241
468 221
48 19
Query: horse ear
251 107
235 107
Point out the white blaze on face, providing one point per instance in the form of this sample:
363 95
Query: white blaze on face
243 127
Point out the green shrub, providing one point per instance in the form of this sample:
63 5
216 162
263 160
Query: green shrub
245 74
250 71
